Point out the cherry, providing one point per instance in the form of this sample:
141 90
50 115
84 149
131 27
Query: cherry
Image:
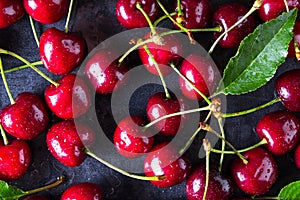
195 13
281 129
105 75
258 175
83 191
225 17
159 106
61 52
11 11
14 160
201 72
164 160
70 99
47 11
129 138
130 17
219 186
297 156
66 141
26 118
288 89
271 9
36 198
164 54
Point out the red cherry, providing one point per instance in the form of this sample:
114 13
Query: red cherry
225 17
66 141
164 160
83 191
11 11
130 17
288 89
129 138
105 75
70 99
47 11
169 52
26 118
14 160
196 13
201 72
258 175
36 198
281 129
159 106
219 186
61 52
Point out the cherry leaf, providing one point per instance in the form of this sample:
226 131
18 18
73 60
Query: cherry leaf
8 192
259 55
290 191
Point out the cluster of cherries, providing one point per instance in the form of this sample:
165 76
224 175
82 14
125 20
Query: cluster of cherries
68 98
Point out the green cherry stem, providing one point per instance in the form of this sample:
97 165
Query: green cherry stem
255 6
155 24
68 17
12 101
265 198
286 5
297 49
139 7
207 148
2 51
23 67
236 114
223 143
4 137
145 178
179 8
34 31
189 142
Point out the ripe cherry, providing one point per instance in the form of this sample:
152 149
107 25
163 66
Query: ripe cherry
26 118
104 74
83 191
14 159
281 129
225 17
46 11
219 186
258 175
11 11
66 140
130 17
61 52
70 99
288 89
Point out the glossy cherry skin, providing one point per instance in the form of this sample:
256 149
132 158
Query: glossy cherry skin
130 140
225 17
164 160
11 11
130 17
26 118
281 129
169 52
36 198
70 99
271 9
83 191
159 106
258 175
287 86
201 72
61 52
66 141
196 13
47 11
219 186
14 160
105 75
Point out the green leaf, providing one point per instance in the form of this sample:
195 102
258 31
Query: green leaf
259 55
8 192
290 191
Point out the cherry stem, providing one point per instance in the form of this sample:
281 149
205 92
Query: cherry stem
68 17
255 6
179 8
190 84
145 178
223 143
297 50
168 96
34 31
286 5
23 67
139 7
163 18
207 148
5 140
12 101
175 114
30 65
265 198
227 115
189 142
